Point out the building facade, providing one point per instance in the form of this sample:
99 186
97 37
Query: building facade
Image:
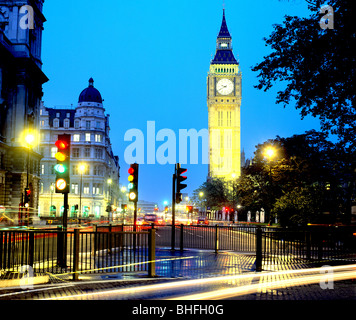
94 169
21 80
224 101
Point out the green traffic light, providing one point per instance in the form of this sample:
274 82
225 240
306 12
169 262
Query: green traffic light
130 185
60 168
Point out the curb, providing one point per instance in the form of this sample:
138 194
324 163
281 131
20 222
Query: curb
26 282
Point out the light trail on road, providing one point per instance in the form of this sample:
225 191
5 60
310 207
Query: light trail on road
302 276
270 285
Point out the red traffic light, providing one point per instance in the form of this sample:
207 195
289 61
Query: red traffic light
61 144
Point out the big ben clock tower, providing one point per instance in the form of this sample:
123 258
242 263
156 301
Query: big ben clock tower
224 101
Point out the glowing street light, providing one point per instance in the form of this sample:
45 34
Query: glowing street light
270 152
30 138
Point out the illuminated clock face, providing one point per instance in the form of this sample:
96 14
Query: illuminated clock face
225 86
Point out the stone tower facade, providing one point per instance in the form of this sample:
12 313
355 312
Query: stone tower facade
224 101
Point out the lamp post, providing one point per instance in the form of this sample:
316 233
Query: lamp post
81 169
51 191
270 153
232 214
29 138
109 181
201 195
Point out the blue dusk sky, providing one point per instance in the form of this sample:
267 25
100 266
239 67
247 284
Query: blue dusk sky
150 59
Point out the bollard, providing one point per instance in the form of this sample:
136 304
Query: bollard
152 252
216 238
76 254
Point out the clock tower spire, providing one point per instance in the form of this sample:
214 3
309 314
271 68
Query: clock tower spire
224 101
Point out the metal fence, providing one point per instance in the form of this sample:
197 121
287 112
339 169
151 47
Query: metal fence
121 248
333 245
77 251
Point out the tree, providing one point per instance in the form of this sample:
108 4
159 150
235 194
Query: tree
300 206
215 193
304 180
317 66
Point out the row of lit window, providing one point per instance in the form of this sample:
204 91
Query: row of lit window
87 137
97 188
66 124
76 152
98 170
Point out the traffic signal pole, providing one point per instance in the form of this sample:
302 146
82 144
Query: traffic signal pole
173 233
65 212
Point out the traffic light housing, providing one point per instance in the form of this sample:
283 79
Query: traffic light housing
180 179
133 182
27 196
190 209
63 163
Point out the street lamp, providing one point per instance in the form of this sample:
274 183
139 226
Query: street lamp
81 170
109 181
51 190
201 195
29 138
270 153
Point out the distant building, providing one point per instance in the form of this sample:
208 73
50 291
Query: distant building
21 80
97 186
146 206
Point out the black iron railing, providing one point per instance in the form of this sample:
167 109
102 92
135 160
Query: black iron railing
123 248
76 251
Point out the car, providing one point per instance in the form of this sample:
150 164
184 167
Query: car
160 221
202 220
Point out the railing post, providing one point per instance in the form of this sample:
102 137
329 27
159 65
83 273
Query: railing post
31 248
60 240
181 237
76 254
1 244
258 249
216 238
152 252
320 245
110 239
95 230
308 244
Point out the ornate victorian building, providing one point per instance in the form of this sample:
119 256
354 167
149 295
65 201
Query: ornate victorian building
94 170
21 80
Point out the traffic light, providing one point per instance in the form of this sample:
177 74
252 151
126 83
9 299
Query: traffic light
63 163
27 197
180 179
133 185
190 209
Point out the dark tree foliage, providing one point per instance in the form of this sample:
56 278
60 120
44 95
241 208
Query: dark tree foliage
304 181
317 67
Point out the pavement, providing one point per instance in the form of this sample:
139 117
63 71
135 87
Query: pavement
181 267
